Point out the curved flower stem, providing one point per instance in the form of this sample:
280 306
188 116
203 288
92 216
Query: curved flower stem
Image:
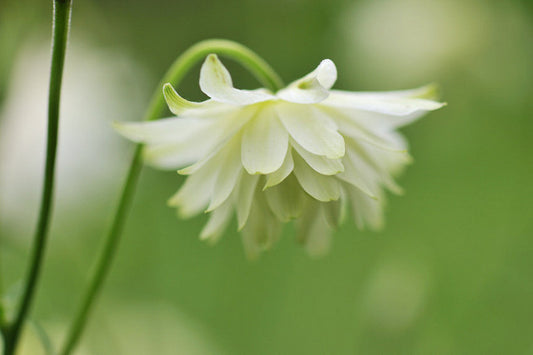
251 61
61 25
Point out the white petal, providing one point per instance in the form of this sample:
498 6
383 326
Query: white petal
218 222
360 175
219 136
314 232
367 212
264 143
360 131
279 175
382 102
195 194
312 94
313 87
215 82
175 156
261 230
312 129
228 174
245 195
166 130
429 92
286 200
178 104
334 212
385 164
322 188
325 73
319 163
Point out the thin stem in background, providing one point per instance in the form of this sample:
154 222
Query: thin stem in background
61 25
251 61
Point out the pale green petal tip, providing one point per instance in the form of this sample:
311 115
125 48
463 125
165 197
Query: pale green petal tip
210 237
431 92
241 226
119 126
175 102
173 201
213 58
129 130
219 69
186 171
396 189
271 183
371 195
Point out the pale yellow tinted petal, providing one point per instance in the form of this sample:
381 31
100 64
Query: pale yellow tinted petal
360 175
245 195
367 212
279 175
261 230
195 194
396 103
220 134
312 129
178 104
286 200
217 223
228 174
322 188
334 212
264 143
319 163
314 232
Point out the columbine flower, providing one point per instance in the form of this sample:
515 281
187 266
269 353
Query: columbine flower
304 153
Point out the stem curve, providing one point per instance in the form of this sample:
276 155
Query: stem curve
175 74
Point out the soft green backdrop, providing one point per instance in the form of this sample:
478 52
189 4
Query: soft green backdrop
452 273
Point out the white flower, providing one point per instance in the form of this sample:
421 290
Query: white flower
304 153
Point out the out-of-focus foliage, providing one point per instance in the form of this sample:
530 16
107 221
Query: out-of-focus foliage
451 272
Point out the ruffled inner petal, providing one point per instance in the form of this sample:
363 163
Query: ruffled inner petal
215 82
279 175
312 88
319 163
264 143
322 188
286 200
312 129
366 211
314 232
261 230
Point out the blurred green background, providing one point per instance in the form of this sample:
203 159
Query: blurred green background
452 273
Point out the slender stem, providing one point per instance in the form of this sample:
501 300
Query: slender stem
251 61
61 25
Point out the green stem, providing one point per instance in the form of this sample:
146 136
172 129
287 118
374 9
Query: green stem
61 25
251 61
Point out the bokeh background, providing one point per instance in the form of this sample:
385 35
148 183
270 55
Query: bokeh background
452 273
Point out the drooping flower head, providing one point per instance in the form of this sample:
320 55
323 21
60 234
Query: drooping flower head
306 153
